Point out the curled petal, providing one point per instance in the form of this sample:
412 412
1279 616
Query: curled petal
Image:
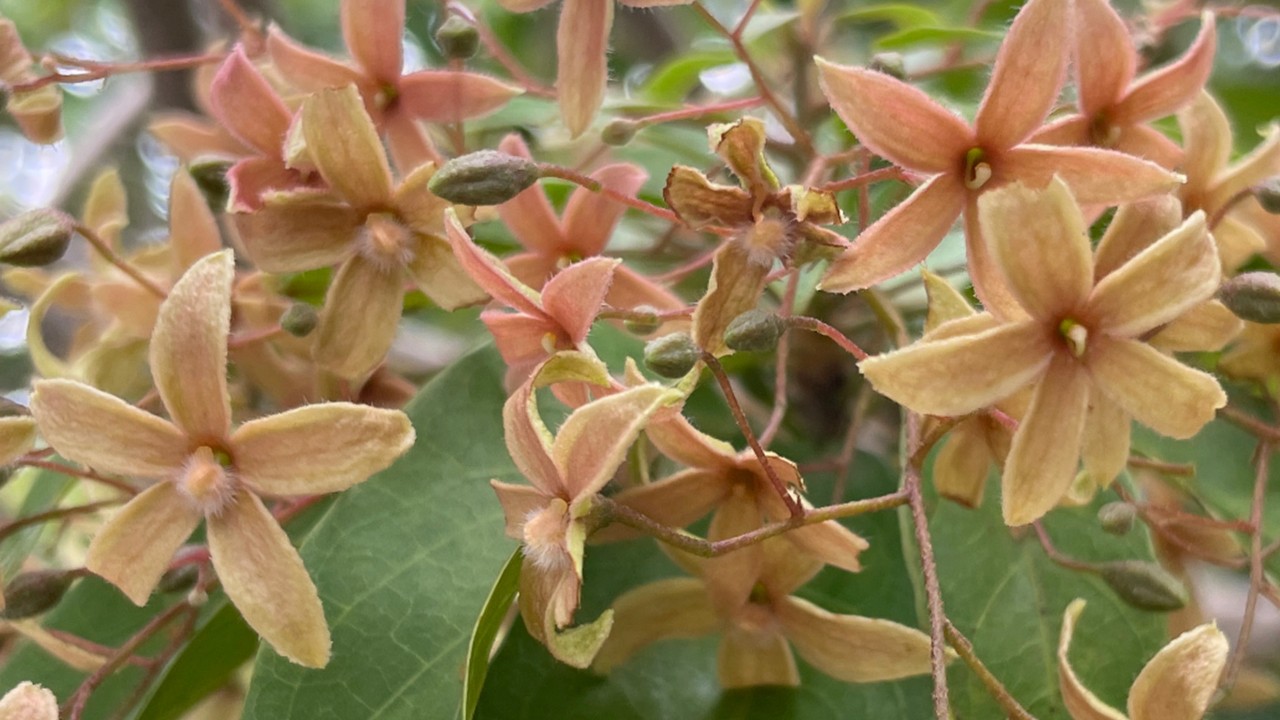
1206 137
670 608
345 147
592 442
436 271
1134 228
1104 59
518 503
1095 176
1181 679
104 432
1261 163
106 210
1173 86
1080 703
319 448
735 287
361 313
252 178
590 217
1155 389
267 582
1028 74
189 349
246 105
853 648
450 96
529 442
298 231
1046 446
698 201
134 548
582 44
574 296
489 273
832 542
374 33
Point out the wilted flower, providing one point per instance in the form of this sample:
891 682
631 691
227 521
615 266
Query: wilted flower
28 701
203 469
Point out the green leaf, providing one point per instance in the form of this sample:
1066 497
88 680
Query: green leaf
901 15
221 645
672 82
486 630
1002 591
404 563
934 36
43 490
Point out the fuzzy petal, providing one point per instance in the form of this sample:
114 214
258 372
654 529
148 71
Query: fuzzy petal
189 349
1095 176
345 147
590 217
1207 327
735 287
959 375
1178 272
852 648
247 106
1181 679
319 448
1149 144
1260 164
265 579
360 317
436 271
307 69
1046 447
679 500
529 443
1106 439
17 435
29 701
668 608
1134 228
450 96
896 120
831 542
574 296
374 33
1028 74
961 468
134 548
1155 389
1080 703
749 658
1040 243
679 440
189 138
520 339
593 441
489 273
1105 60
518 503
1206 137
630 289
582 44
1173 86
698 201
298 231
900 239
193 229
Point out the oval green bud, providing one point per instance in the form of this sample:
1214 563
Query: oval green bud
644 321
889 63
210 175
672 356
1144 585
487 177
1268 194
36 237
1253 296
754 331
619 131
1117 517
32 593
457 38
179 579
300 319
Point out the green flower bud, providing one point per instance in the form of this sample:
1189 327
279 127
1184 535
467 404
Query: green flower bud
1268 194
179 579
672 356
457 38
299 320
644 321
619 131
1253 296
754 331
1116 517
36 237
32 593
889 63
1144 585
210 175
487 177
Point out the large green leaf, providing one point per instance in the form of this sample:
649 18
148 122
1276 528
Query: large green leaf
1001 590
403 563
221 644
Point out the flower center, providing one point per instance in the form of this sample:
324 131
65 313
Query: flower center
977 171
545 535
1102 133
385 242
1075 334
207 480
769 238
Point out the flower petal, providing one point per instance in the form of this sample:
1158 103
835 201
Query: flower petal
1134 228
736 284
345 147
590 217
676 501
374 33
852 648
360 317
749 658
489 273
1178 272
1155 389
307 69
518 503
265 579
318 448
896 120
1105 61
698 201
243 101
1080 703
574 296
436 271
582 44
1105 451
134 547
189 349
831 542
1172 87
189 137
1046 446
104 432
630 289
1206 138
1028 74
1095 176
295 231
593 441
899 239
1181 679
193 229
17 435
1207 327
450 96
1261 163
959 375
962 465
1149 144
1041 245
678 439
668 608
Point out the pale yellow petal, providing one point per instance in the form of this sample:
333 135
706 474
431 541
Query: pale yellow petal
1046 446
1207 327
1105 451
945 302
265 579
959 375
193 229
17 435
961 468
748 658
437 272
1181 679
189 349
1134 228
1155 389
1080 703
593 441
669 608
104 432
360 317
296 231
134 547
853 648
318 448
831 542
345 147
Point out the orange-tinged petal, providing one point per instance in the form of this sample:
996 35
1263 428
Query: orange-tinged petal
1095 176
523 6
735 287
1206 137
959 375
590 217
896 120
418 207
374 33
307 69
661 610
679 440
408 142
267 582
1028 74
489 273
345 147
1181 679
698 201
676 501
252 178
989 281
593 441
449 96
193 230
1041 245
134 547
1134 228
574 296
630 289
1155 389
522 340
38 114
518 503
900 239
1046 446
1069 130
1261 163
1080 703
1178 272
831 542
189 137
962 465
1207 327
1173 86
1149 144
1105 61
189 349
436 271
360 317
104 432
853 648
1105 451
731 577
1237 241
748 658
245 104
582 46
318 448
298 231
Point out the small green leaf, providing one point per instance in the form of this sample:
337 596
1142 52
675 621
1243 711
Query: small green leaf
486 632
934 36
904 16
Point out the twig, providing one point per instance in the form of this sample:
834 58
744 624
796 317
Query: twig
1262 467
1056 556
1248 422
861 179
813 324
932 588
75 472
780 365
964 649
590 183
110 256
1168 468
55 514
